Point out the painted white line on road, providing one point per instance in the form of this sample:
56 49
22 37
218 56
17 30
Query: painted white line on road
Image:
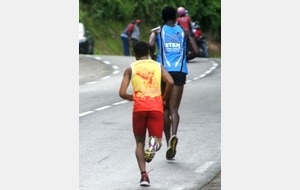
102 108
204 167
106 62
215 65
203 75
85 113
91 82
105 77
188 81
98 58
122 102
115 67
207 72
116 72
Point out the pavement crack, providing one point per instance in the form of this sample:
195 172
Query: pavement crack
103 159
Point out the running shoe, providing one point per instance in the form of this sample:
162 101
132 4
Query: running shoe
150 152
145 180
171 151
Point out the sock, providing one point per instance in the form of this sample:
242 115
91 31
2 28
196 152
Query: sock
144 173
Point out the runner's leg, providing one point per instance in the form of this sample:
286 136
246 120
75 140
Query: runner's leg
167 121
139 152
139 130
167 125
155 124
174 104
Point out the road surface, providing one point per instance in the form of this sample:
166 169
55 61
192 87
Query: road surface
106 143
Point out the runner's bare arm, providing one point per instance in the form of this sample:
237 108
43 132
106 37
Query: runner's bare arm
152 42
124 85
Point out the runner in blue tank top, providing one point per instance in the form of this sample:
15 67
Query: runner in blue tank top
171 42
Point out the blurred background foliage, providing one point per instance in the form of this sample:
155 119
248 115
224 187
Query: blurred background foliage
106 19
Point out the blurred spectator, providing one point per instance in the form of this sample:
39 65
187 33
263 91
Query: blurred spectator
126 36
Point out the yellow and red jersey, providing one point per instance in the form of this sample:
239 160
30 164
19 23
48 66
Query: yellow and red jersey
146 84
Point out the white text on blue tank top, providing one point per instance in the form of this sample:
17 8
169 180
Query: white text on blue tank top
172 44
172 47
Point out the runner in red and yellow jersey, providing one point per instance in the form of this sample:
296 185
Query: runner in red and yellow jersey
146 76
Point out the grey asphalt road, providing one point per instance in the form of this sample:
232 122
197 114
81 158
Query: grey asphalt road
106 150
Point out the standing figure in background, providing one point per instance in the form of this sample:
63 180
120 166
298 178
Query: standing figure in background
185 22
126 36
200 38
135 35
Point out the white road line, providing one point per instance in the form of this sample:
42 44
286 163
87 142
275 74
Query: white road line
204 167
98 58
122 102
102 108
106 62
91 82
115 67
116 72
105 77
85 113
207 72
215 65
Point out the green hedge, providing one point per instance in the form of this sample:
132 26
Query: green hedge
207 12
107 18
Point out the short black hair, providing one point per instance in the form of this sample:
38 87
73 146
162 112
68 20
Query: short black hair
141 48
168 13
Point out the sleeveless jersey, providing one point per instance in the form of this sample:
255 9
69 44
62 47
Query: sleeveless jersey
146 84
171 43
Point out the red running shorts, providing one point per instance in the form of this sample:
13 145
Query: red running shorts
153 120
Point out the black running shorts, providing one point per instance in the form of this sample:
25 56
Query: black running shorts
178 77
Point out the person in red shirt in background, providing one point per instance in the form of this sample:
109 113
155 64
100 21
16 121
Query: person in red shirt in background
200 38
197 34
134 34
126 37
185 22
130 29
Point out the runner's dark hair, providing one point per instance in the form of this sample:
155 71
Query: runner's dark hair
141 48
168 13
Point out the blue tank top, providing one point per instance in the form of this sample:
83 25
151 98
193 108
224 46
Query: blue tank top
171 43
